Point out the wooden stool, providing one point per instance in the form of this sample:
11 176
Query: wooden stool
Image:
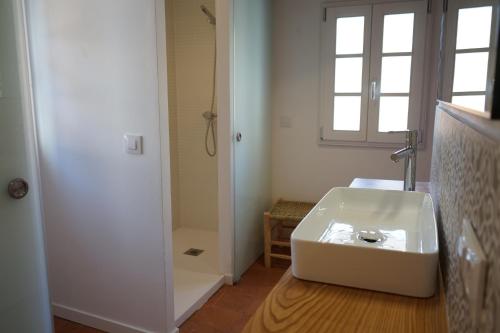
284 215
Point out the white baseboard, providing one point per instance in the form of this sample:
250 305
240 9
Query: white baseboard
96 321
228 279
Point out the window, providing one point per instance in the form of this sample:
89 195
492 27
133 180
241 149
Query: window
469 65
371 71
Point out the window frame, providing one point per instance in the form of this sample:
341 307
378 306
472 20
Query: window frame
328 54
368 136
450 51
415 93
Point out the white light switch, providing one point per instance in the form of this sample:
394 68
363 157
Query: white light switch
133 144
472 270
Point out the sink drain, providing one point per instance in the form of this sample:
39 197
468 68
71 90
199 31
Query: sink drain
194 252
371 236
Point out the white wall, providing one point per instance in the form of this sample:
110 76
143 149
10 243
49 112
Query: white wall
303 170
96 78
191 41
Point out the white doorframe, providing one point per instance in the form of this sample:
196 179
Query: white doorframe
163 128
225 142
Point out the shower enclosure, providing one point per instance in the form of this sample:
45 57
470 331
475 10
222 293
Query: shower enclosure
191 62
220 141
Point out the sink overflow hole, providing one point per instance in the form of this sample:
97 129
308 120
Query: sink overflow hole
193 252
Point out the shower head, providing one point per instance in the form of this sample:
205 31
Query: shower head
211 17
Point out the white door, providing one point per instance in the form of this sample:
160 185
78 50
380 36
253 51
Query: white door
252 126
24 301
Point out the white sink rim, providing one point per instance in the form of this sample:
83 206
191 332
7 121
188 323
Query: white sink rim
405 271
431 247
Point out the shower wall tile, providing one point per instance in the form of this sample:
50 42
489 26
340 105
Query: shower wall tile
190 82
465 183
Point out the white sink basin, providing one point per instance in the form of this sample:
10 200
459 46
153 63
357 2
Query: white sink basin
373 239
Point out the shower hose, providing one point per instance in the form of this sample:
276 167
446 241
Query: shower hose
211 116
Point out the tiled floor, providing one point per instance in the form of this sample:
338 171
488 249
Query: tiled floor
226 312
66 326
232 306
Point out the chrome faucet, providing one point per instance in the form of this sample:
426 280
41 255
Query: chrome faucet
410 155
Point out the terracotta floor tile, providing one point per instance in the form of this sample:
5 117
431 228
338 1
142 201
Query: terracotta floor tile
238 298
215 297
193 326
66 326
219 318
245 296
239 326
261 278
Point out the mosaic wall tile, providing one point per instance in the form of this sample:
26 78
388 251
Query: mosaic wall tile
465 183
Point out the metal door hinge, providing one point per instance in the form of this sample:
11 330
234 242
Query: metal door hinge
445 6
324 14
429 6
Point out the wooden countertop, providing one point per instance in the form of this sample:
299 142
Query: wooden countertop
303 306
